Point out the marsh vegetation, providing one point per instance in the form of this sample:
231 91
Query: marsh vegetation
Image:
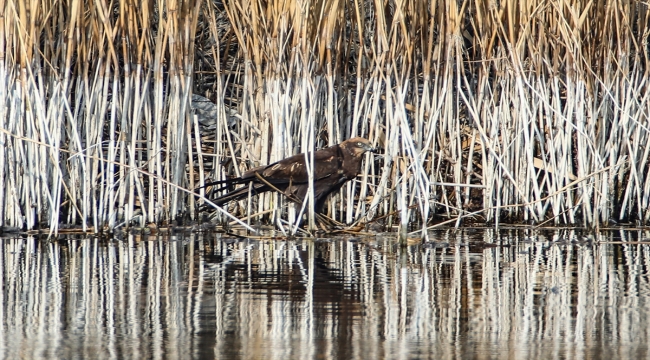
494 111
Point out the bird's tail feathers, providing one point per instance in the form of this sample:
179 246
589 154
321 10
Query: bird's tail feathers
226 183
239 194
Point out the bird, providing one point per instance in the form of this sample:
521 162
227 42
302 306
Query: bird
333 166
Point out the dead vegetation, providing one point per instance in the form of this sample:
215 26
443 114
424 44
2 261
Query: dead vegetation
532 111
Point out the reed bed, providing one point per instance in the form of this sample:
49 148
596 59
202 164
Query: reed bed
488 111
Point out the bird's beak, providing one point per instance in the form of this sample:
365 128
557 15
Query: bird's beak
371 149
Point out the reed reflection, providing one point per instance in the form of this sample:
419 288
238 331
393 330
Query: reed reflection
508 295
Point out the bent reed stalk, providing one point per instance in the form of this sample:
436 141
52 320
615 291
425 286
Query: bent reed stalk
511 111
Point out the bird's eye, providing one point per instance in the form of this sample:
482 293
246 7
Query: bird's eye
358 144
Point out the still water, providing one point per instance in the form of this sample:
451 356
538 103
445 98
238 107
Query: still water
512 294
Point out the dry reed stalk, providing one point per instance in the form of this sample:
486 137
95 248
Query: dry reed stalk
67 109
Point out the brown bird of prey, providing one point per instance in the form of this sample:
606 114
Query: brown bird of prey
333 166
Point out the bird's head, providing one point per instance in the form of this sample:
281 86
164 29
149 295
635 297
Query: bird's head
358 146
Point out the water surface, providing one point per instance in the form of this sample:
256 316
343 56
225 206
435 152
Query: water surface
464 294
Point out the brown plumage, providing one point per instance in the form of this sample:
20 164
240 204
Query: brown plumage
333 166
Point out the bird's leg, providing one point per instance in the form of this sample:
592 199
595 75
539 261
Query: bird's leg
274 188
248 205
291 210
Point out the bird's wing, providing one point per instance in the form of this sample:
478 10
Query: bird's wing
327 162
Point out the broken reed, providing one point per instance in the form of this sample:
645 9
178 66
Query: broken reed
512 110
